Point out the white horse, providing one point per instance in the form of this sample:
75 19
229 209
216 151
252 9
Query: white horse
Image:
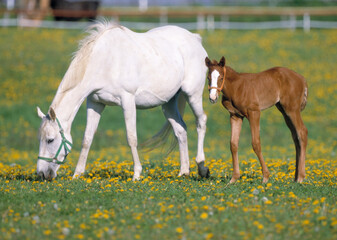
115 66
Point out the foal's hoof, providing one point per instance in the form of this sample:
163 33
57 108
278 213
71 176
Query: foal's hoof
265 180
299 180
203 171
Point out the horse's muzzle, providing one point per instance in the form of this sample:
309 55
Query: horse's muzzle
48 175
46 171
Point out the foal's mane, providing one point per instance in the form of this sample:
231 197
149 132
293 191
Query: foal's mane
76 70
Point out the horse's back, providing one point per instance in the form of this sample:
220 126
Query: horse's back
153 65
193 55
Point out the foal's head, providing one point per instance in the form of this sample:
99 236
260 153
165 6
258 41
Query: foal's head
216 77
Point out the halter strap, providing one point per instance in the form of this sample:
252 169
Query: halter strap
65 143
218 88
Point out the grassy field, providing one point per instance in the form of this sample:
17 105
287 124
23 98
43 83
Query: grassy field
106 204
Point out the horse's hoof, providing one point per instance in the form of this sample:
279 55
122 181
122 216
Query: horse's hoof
77 175
204 172
136 178
186 174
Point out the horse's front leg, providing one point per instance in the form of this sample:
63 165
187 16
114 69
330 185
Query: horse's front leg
236 125
94 111
129 109
254 122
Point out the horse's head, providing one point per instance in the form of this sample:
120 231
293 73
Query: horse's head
216 77
54 146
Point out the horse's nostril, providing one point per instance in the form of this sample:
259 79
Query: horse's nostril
40 175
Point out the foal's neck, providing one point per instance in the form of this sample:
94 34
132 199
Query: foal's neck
231 74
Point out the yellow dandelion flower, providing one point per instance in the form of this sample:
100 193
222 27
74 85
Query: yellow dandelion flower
80 236
305 222
204 216
334 223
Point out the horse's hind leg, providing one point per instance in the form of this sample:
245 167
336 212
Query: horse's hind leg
195 103
172 114
94 111
254 122
300 136
129 110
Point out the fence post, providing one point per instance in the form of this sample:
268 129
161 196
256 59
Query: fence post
306 22
210 22
200 22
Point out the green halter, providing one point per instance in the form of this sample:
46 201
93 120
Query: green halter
64 144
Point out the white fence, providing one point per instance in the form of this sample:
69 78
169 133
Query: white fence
200 18
202 24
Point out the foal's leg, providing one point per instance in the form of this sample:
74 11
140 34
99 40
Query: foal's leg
195 103
300 136
129 110
254 121
94 111
302 140
236 124
172 114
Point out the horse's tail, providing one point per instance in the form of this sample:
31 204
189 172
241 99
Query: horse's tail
162 136
305 97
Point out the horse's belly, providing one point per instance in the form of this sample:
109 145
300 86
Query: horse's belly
106 98
149 99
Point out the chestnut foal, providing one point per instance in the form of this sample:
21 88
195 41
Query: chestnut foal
246 94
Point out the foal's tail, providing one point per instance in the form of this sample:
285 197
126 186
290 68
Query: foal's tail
305 97
161 137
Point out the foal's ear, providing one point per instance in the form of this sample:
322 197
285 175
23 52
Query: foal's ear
52 114
222 62
207 62
40 113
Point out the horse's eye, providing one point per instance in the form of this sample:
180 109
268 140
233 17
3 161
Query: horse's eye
50 141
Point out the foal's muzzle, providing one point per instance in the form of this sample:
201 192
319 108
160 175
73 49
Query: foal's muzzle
213 100
213 96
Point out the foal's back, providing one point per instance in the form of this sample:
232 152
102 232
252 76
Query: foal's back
277 84
292 87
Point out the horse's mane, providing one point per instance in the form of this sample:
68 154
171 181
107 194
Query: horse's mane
76 70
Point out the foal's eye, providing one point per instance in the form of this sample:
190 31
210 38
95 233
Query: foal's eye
49 141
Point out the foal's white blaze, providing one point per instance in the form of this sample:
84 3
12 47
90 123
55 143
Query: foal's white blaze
213 94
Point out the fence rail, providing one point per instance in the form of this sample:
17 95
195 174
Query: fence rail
205 18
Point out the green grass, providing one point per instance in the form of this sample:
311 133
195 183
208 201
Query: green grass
106 204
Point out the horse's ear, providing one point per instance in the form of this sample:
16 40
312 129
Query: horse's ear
52 114
207 62
40 113
222 62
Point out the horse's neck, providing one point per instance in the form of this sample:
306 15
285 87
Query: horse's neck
67 103
73 89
